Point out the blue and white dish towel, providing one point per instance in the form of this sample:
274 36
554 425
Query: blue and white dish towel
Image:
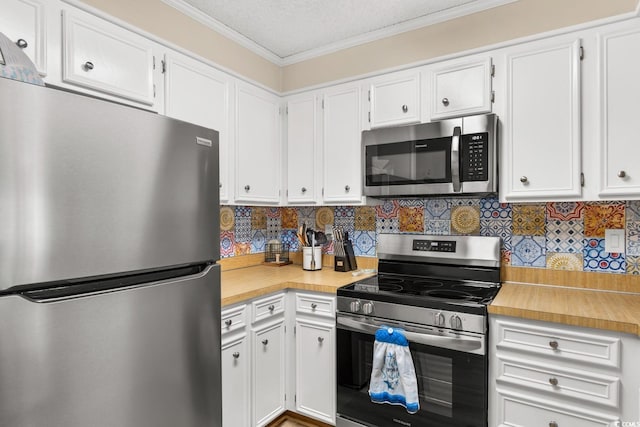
393 377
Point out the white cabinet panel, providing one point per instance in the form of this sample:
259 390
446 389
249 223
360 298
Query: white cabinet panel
268 372
200 94
461 90
542 128
619 95
257 146
395 99
302 149
235 383
23 21
105 57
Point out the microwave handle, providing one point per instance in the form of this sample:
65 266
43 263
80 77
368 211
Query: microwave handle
455 159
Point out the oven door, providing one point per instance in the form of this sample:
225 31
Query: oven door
451 371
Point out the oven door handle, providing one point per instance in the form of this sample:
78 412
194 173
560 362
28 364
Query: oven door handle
466 344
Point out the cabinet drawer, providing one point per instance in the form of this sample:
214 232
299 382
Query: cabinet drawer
522 412
267 308
559 344
583 385
233 319
315 304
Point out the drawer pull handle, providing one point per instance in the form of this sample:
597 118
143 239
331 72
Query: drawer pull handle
553 424
265 342
228 322
553 381
320 340
314 306
22 43
272 307
553 344
236 355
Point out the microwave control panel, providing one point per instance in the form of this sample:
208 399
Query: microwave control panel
474 151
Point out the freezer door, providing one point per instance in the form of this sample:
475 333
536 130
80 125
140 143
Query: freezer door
147 356
89 187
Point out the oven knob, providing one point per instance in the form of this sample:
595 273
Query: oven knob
355 306
367 308
456 322
439 319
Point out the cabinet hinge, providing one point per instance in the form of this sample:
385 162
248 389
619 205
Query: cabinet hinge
323 104
323 191
581 179
294 330
493 96
164 66
369 116
295 398
154 62
581 53
493 70
286 109
285 397
369 95
285 328
154 90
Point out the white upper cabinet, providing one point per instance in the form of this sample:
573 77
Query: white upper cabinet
200 94
257 146
541 132
619 93
107 58
461 89
395 99
23 21
303 154
342 134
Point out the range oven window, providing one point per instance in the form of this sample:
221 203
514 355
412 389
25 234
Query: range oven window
410 162
451 386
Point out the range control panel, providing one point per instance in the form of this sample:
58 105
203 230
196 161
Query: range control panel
434 245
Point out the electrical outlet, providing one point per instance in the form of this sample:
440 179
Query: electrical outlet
614 241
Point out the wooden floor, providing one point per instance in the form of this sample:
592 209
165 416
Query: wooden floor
290 419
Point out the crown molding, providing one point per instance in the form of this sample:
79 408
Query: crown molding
389 31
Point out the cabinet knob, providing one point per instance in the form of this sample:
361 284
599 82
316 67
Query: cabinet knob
314 306
22 43
88 66
247 187
220 185
304 189
265 342
347 188
524 179
405 108
553 424
622 174
553 381
228 322
320 340
553 344
272 307
236 355
445 102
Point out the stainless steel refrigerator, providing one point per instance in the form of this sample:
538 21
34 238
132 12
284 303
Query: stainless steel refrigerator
109 287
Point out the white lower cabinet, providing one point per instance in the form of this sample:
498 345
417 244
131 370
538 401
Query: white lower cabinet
561 376
268 373
235 357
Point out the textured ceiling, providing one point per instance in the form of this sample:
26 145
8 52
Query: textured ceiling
287 28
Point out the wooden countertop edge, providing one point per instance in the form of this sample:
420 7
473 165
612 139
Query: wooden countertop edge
244 296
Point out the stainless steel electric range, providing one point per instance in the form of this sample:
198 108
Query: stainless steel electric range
436 288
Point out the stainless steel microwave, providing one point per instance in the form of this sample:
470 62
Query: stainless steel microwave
449 157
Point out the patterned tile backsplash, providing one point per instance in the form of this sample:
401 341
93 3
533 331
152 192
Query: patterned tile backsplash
554 235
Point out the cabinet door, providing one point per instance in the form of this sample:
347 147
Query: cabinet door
102 56
23 21
395 100
542 143
257 146
316 370
619 92
200 94
235 383
302 154
268 372
461 90
342 137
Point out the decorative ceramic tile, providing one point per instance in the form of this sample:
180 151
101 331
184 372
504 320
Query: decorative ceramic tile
364 243
464 202
227 218
596 259
289 218
290 238
242 248
565 236
411 219
633 210
598 217
565 211
307 215
492 208
387 225
440 227
564 261
411 203
344 212
273 212
324 217
258 218
273 228
243 224
258 241
437 209
633 238
389 209
365 218
498 228
528 220
505 257
633 265
227 244
528 251
465 220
